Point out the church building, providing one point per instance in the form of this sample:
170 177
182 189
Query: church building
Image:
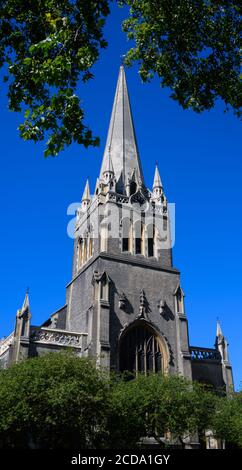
124 303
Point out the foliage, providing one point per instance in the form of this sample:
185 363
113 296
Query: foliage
192 45
158 406
48 46
55 401
61 401
227 421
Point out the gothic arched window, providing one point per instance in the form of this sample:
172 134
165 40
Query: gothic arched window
179 300
141 350
104 288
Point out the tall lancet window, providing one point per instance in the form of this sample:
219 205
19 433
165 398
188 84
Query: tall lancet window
139 234
141 350
90 246
84 251
104 288
79 253
179 300
151 235
127 235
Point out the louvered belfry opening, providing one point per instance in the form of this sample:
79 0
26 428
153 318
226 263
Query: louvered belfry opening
140 350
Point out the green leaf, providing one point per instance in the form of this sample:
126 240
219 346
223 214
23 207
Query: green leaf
49 55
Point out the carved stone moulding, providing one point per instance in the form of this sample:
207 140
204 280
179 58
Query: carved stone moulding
57 337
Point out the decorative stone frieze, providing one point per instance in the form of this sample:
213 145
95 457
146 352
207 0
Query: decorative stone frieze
57 337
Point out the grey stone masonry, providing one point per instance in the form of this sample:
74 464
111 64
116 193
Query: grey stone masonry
124 304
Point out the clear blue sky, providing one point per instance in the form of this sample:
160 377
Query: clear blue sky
200 161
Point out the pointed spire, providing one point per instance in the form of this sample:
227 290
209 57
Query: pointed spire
26 302
22 331
108 171
86 198
25 307
220 339
86 194
219 332
121 141
222 347
157 185
157 179
221 344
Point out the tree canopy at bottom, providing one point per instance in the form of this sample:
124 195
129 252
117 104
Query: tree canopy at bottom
62 401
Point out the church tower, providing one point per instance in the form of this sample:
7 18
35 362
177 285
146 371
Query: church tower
125 293
124 304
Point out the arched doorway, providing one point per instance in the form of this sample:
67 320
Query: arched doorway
141 349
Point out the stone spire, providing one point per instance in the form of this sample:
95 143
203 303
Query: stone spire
108 171
21 336
157 179
219 332
221 343
157 184
121 143
26 305
222 346
86 198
